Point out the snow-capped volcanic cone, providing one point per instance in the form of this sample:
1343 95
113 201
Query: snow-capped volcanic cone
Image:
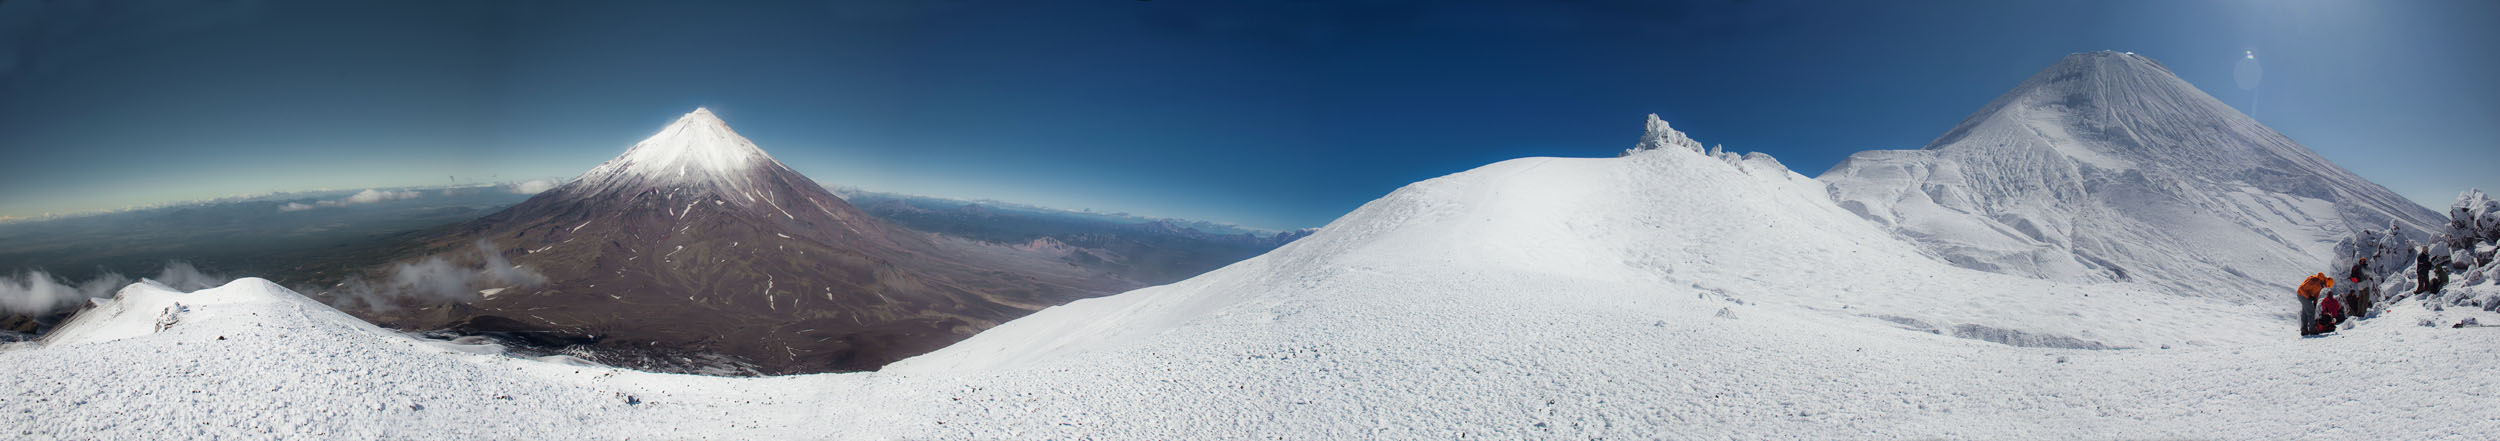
2106 167
696 241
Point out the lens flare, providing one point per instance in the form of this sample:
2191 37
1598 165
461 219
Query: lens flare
2247 72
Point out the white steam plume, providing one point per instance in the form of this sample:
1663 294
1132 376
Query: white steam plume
533 187
434 280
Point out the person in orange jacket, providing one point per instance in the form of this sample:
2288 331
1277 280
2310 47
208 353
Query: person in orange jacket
2309 289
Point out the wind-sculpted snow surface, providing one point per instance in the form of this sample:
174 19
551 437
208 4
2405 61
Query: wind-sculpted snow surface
1666 294
2106 167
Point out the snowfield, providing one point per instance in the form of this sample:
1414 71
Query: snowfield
1668 294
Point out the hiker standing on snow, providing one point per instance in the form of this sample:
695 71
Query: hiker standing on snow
2422 271
2309 302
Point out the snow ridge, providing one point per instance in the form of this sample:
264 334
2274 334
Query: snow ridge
1739 230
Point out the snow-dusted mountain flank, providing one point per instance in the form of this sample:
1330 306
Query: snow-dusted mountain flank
695 243
2106 167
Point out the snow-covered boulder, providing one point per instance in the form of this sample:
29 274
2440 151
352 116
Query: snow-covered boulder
2473 222
2383 258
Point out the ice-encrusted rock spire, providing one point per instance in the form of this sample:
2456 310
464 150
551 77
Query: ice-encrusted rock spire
1656 134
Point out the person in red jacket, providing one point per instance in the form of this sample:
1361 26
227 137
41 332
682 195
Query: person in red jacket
2330 313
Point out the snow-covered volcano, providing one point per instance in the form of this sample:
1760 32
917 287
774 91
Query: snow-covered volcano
695 241
2106 167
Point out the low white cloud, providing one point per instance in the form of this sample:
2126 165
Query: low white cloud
38 293
533 187
433 280
362 197
371 196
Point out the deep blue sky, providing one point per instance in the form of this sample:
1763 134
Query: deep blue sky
1264 113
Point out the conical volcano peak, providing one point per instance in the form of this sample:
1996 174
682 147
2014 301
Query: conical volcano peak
701 116
2106 76
2106 167
2098 57
695 242
2116 108
2104 65
698 146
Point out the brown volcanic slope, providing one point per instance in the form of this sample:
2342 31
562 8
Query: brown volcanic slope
695 241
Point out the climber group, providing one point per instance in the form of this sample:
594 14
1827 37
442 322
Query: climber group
2368 271
2321 309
